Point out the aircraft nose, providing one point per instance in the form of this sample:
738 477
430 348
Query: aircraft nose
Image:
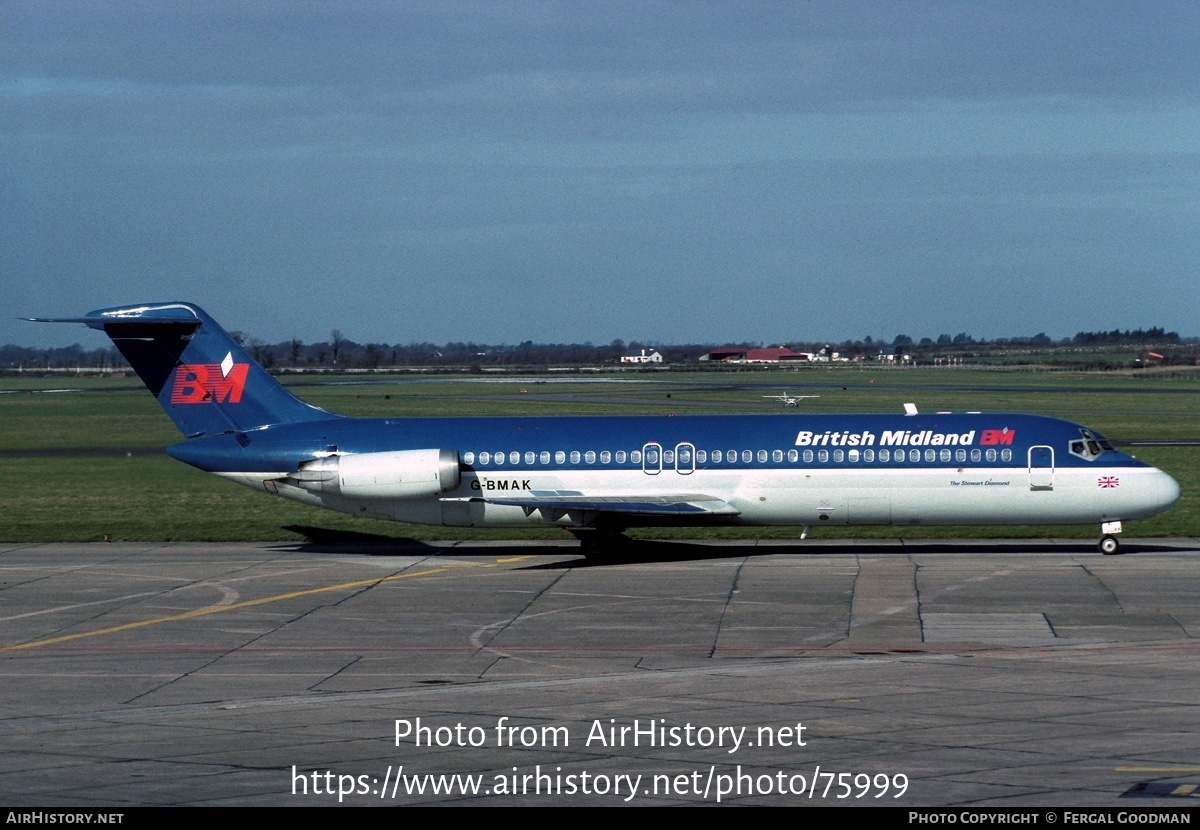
1165 491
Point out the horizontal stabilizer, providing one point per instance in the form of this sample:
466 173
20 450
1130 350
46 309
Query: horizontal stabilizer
101 321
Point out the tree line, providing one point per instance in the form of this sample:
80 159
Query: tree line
340 352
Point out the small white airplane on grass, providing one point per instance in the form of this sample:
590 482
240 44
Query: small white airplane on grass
789 400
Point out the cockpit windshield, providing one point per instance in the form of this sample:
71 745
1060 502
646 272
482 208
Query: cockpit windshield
1090 446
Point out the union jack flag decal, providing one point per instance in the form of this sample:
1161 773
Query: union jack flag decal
1108 482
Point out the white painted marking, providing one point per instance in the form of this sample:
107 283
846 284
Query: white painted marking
56 609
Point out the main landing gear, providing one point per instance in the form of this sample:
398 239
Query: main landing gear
601 542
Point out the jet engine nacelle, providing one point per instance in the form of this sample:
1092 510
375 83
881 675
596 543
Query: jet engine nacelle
403 474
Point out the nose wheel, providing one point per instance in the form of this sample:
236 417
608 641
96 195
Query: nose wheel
1108 541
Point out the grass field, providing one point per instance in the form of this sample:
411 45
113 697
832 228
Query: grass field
86 463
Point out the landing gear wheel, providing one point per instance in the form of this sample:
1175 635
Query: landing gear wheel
601 543
1109 545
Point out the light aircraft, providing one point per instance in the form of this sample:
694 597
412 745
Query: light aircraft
596 476
789 400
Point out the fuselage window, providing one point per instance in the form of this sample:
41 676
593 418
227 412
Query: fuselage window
514 458
762 456
497 458
716 456
620 456
944 455
868 456
685 456
793 456
636 456
1006 455
885 455
914 455
852 456
931 455
468 458
823 456
960 455
668 457
701 456
605 457
990 455
651 457
808 456
777 456
560 457
976 455
530 457
590 456
747 456
731 456
839 456
544 457
574 456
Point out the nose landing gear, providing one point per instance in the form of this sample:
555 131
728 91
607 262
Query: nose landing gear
1108 542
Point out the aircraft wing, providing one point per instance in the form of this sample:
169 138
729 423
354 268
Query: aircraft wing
558 504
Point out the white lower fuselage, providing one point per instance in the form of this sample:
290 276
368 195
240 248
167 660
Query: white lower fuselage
799 496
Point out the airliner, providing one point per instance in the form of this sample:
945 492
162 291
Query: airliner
597 476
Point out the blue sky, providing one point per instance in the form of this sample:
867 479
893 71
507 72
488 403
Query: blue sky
569 171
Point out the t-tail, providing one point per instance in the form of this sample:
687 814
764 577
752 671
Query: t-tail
200 375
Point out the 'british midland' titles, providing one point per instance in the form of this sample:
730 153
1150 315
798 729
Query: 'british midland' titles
902 438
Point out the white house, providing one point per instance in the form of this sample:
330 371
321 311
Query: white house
652 357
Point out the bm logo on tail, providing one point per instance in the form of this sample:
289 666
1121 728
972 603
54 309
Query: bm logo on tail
209 382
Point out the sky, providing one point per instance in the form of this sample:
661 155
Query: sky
667 172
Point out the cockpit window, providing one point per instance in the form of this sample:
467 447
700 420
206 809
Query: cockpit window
1090 447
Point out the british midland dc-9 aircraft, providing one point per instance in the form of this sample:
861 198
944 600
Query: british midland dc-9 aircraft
596 476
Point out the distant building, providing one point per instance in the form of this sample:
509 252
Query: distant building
774 354
828 355
652 357
892 355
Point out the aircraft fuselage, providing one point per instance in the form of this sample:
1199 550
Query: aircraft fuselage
792 470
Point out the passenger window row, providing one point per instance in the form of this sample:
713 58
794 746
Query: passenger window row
731 457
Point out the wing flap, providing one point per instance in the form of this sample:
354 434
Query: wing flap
671 504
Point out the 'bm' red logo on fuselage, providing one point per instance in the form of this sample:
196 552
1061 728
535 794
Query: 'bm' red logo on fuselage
205 383
997 436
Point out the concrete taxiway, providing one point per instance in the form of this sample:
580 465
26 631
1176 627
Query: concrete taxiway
965 673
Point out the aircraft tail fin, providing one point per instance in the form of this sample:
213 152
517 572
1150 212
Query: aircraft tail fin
200 375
